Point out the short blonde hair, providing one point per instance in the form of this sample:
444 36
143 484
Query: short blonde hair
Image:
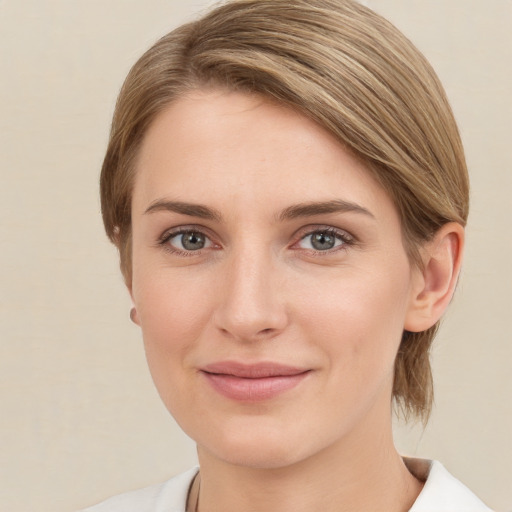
340 64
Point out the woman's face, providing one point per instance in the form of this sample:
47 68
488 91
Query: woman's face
270 280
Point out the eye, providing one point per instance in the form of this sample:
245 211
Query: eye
187 241
324 240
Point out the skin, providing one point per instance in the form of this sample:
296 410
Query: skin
259 291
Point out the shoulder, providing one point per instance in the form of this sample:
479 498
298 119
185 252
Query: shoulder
442 492
169 496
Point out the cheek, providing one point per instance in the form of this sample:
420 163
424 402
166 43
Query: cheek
359 319
173 312
173 309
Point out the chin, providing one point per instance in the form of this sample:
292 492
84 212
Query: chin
261 456
258 446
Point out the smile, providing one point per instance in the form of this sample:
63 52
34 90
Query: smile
252 383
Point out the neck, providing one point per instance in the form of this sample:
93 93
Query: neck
359 473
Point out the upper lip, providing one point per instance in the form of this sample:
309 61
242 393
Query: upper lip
252 371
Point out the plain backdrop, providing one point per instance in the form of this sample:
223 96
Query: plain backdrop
80 419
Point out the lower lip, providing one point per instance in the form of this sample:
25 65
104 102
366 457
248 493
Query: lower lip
253 390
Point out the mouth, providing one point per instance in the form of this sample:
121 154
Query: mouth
252 382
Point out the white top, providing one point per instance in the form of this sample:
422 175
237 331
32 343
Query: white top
441 493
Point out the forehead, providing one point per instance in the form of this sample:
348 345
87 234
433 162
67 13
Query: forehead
215 145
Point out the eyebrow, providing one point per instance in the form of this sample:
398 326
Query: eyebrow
296 211
191 209
318 208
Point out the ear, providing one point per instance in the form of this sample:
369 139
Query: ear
434 284
134 315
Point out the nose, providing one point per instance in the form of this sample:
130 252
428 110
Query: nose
251 299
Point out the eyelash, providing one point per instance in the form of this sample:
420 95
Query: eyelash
346 239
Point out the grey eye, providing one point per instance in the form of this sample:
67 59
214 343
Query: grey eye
193 241
321 241
190 241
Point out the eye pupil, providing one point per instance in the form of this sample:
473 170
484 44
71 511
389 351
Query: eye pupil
192 241
322 241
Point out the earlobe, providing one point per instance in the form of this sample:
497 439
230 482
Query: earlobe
134 317
434 284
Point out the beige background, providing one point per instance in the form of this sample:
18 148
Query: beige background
79 417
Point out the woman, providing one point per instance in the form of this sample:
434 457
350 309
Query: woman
287 188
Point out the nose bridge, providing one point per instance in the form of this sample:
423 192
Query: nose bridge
251 303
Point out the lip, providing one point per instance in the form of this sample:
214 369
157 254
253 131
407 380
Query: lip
252 382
